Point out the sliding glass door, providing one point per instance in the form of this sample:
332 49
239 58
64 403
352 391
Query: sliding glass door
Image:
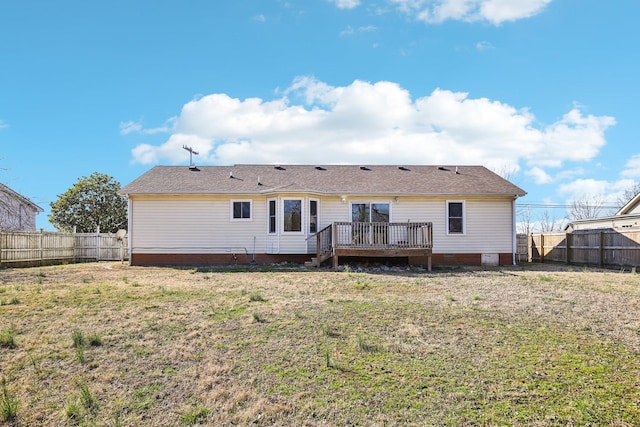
365 233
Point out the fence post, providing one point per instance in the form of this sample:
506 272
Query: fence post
601 249
41 246
98 243
567 244
541 249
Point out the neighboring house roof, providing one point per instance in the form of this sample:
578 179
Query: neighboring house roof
325 179
632 206
629 212
602 221
20 198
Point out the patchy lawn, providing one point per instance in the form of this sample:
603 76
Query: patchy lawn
106 344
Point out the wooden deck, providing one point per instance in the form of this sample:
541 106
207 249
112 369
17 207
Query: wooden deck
374 239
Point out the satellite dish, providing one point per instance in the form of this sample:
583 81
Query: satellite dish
121 234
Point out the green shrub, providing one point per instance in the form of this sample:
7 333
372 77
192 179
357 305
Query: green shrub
256 297
8 404
95 340
78 338
8 337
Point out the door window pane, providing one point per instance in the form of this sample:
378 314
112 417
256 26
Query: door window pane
360 212
380 212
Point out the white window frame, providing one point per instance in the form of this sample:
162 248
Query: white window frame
302 215
464 218
233 202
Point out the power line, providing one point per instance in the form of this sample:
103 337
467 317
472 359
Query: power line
558 206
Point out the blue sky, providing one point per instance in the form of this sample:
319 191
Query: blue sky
542 90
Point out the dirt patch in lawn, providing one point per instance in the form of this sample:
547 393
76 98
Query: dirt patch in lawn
109 344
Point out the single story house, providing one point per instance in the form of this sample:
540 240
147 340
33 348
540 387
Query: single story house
626 219
17 213
187 215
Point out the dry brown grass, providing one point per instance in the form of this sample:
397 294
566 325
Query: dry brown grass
540 345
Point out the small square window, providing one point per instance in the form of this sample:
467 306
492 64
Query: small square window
241 210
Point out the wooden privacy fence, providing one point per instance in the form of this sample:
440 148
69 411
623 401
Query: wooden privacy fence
522 251
28 248
602 248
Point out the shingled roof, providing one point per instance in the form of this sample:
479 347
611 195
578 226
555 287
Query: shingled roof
322 180
20 198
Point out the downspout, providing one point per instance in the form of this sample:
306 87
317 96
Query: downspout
129 227
514 240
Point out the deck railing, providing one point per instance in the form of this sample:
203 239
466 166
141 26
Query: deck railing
383 235
374 236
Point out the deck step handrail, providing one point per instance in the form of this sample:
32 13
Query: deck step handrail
324 242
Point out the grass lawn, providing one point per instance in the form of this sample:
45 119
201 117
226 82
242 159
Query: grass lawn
106 344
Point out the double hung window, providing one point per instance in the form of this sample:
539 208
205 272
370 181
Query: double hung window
272 206
455 217
313 216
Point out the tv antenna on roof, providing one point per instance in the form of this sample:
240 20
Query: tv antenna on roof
191 153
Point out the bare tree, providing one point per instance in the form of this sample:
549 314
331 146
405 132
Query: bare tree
585 209
506 171
548 222
628 194
523 215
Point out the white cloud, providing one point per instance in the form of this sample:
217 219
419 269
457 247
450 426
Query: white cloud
136 127
574 138
3 124
130 127
592 190
632 167
346 4
260 18
349 31
539 175
484 45
584 189
492 11
373 123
